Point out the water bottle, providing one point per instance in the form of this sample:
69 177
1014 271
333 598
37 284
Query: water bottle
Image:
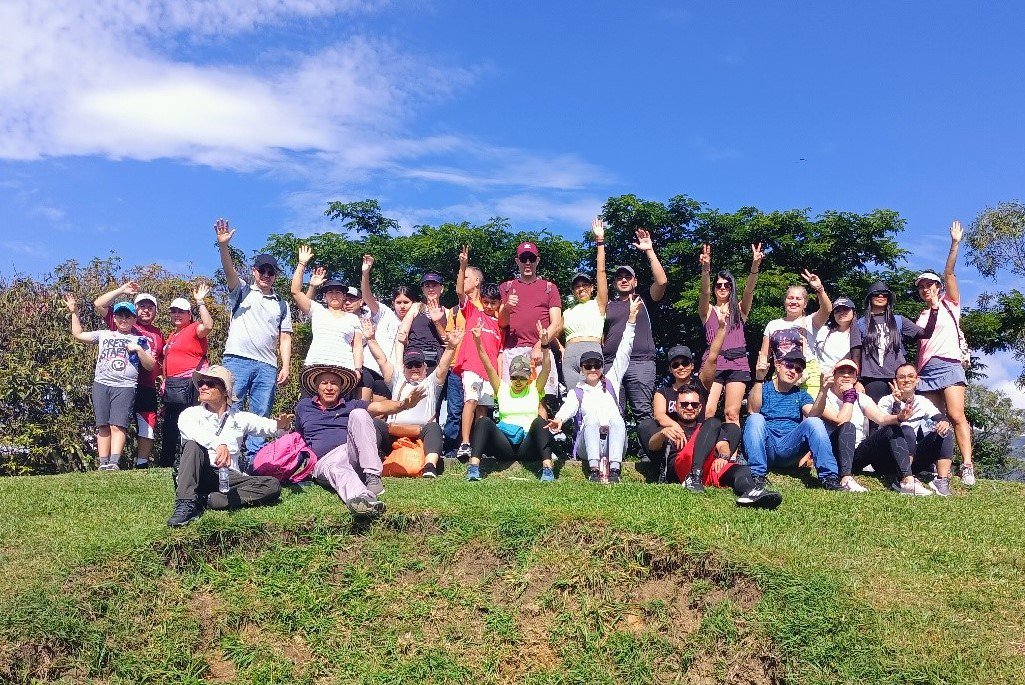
223 479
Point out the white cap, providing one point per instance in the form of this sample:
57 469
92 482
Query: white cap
924 276
182 304
142 297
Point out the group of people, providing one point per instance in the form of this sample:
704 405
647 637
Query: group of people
842 395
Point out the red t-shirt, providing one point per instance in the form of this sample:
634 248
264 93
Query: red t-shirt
491 338
184 350
147 379
536 301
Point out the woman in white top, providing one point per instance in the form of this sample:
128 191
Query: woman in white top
833 341
584 323
797 328
337 334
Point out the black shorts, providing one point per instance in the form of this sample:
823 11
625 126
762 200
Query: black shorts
375 381
732 376
145 399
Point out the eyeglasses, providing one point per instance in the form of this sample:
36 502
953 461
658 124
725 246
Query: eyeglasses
723 286
591 366
910 377
527 258
677 364
688 405
414 365
624 276
792 366
267 271
208 383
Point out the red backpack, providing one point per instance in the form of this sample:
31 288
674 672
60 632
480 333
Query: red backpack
289 459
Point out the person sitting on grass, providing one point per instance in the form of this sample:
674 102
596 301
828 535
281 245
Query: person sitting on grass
121 353
784 422
342 434
927 431
419 421
214 434
847 413
521 433
596 400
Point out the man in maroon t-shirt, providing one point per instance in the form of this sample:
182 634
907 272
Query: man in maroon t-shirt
526 300
146 392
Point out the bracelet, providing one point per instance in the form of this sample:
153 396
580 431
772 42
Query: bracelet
599 242
544 347
752 273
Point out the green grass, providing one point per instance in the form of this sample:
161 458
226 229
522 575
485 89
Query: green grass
509 580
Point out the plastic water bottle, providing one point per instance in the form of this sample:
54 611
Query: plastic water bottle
223 480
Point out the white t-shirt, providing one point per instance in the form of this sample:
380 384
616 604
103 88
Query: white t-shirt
922 418
425 411
786 334
831 346
332 337
387 329
858 418
256 324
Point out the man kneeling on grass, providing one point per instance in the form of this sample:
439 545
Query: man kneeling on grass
213 434
341 433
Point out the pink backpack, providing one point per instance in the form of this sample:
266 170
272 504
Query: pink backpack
289 459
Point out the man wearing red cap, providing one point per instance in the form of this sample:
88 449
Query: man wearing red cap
526 300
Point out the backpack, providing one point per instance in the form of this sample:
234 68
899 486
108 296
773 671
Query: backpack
407 459
579 418
289 459
237 302
898 321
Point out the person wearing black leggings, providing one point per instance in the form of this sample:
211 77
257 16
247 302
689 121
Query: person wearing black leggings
487 438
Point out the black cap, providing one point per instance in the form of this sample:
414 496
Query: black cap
266 260
844 302
680 351
581 276
591 356
414 355
794 355
331 283
431 277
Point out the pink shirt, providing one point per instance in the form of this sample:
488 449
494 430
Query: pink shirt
945 340
491 340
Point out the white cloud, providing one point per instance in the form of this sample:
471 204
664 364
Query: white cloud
1002 371
28 249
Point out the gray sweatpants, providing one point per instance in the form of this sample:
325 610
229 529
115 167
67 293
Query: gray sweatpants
341 469
571 361
197 476
638 388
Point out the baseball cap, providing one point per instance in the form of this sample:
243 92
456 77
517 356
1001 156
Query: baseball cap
680 351
928 276
850 363
145 297
628 269
519 367
124 307
431 277
581 276
795 355
219 373
591 356
329 284
182 304
353 291
414 355
844 302
527 247
266 260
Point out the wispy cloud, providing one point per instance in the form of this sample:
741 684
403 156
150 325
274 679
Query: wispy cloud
713 152
1002 371
28 249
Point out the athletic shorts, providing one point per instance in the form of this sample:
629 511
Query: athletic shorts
146 411
477 389
939 373
375 381
732 376
113 406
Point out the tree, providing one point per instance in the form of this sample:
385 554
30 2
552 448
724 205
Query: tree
362 217
995 424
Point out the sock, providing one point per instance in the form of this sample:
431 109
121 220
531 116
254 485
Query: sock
615 466
104 461
115 458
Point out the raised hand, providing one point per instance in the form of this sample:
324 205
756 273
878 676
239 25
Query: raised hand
305 254
464 256
757 255
223 231
513 298
477 331
284 421
906 411
705 258
723 314
414 398
368 263
542 334
635 307
130 288
956 231
435 311
813 280
761 368
201 292
318 277
369 329
72 302
643 241
896 391
598 228
454 337
825 381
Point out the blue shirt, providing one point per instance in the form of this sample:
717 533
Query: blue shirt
324 429
782 410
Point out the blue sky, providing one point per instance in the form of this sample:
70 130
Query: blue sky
130 125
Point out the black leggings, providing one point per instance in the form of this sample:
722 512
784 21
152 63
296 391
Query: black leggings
430 433
487 438
739 478
886 450
877 388
926 448
170 437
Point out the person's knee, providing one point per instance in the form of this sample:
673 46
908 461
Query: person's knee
361 417
732 414
817 427
847 430
755 424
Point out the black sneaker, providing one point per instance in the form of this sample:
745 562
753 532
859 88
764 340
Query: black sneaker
760 481
430 471
185 510
374 484
142 464
831 483
362 507
594 476
614 476
693 484
761 498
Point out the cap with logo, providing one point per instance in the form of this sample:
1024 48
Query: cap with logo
124 307
431 277
527 247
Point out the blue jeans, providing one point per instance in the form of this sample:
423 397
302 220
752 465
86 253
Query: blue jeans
256 381
454 420
763 450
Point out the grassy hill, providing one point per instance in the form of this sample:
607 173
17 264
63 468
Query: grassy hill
509 580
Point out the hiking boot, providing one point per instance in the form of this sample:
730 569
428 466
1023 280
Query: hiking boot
914 488
693 484
594 476
614 476
374 484
967 475
430 471
364 507
547 475
463 452
941 486
848 484
185 510
760 497
473 472
830 483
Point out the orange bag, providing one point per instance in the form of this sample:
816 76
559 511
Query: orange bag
406 460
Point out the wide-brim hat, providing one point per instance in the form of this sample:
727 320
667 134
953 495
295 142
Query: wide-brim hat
218 373
308 378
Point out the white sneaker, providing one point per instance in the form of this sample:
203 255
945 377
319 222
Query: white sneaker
851 485
914 488
967 475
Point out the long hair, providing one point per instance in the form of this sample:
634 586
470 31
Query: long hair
735 318
872 334
404 290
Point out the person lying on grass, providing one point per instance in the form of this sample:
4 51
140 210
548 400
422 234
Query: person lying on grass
847 413
595 402
342 434
213 434
521 433
420 420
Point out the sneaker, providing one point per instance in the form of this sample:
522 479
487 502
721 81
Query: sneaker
547 475
760 481
941 486
142 464
967 475
760 497
185 510
914 488
464 451
594 476
364 507
831 483
693 484
473 472
430 471
374 484
614 476
851 485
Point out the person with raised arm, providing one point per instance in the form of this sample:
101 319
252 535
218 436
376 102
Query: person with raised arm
943 356
521 433
639 381
796 330
386 321
146 404
260 329
424 324
121 354
584 322
337 334
185 351
733 369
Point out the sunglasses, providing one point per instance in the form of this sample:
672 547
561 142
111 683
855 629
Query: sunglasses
677 364
527 258
175 310
267 271
793 366
591 366
723 286
415 365
688 405
208 383
884 294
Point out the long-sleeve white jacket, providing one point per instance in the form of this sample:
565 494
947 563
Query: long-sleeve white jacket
230 429
597 401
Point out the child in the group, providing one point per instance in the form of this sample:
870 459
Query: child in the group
596 399
121 353
478 396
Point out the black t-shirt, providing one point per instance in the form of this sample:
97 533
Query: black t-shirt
616 315
424 336
669 393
